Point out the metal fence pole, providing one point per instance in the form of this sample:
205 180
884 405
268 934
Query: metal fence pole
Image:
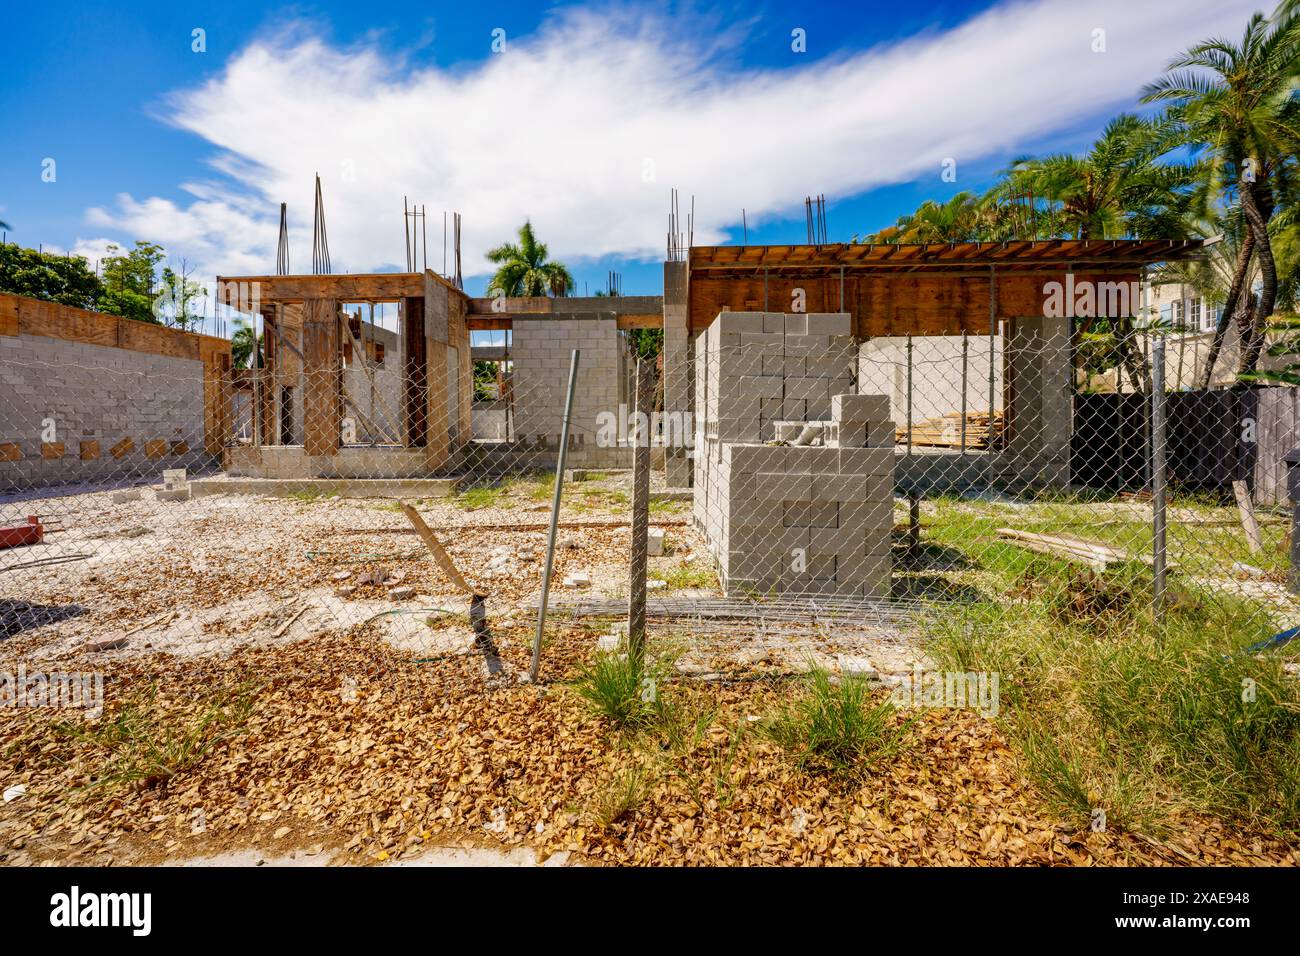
1158 513
640 510
909 393
555 518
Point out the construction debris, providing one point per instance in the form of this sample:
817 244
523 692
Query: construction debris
1097 556
946 431
107 644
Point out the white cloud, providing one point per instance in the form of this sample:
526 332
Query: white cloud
560 126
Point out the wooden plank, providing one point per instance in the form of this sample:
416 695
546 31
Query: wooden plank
11 451
122 448
23 315
440 555
645 320
155 448
89 450
360 287
217 396
52 450
8 315
1247 513
885 303
1098 556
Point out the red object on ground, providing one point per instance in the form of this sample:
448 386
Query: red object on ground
17 535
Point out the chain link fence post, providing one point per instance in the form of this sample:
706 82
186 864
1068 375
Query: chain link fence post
1159 515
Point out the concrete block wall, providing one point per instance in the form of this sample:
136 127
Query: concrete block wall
541 350
806 520
97 396
784 518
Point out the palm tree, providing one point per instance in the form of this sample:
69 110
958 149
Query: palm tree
245 346
1116 189
522 270
1235 102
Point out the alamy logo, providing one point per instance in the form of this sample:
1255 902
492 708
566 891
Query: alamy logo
74 908
1084 299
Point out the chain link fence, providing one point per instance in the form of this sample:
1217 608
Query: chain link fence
1092 554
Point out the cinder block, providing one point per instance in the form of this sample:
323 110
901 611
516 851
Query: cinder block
830 323
175 494
860 408
806 388
839 487
774 322
868 516
849 539
864 434
807 344
866 461
739 322
796 323
763 340
759 386
807 514
783 487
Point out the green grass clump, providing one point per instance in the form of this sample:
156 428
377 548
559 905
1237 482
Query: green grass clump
626 690
836 727
690 575
482 496
626 791
147 742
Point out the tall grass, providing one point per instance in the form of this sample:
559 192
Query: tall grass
836 727
628 691
1141 718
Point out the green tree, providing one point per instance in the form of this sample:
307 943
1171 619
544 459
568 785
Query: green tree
130 281
245 346
67 280
1236 102
182 293
1119 188
523 269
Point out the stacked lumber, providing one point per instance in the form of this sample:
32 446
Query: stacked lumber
945 431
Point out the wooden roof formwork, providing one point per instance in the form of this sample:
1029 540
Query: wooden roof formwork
912 289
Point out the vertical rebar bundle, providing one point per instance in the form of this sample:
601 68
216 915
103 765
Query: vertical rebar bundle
320 245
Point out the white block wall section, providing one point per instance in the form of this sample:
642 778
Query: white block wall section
541 349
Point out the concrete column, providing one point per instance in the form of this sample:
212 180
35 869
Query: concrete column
1038 367
677 371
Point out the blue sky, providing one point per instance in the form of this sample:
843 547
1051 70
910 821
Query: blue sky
195 150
